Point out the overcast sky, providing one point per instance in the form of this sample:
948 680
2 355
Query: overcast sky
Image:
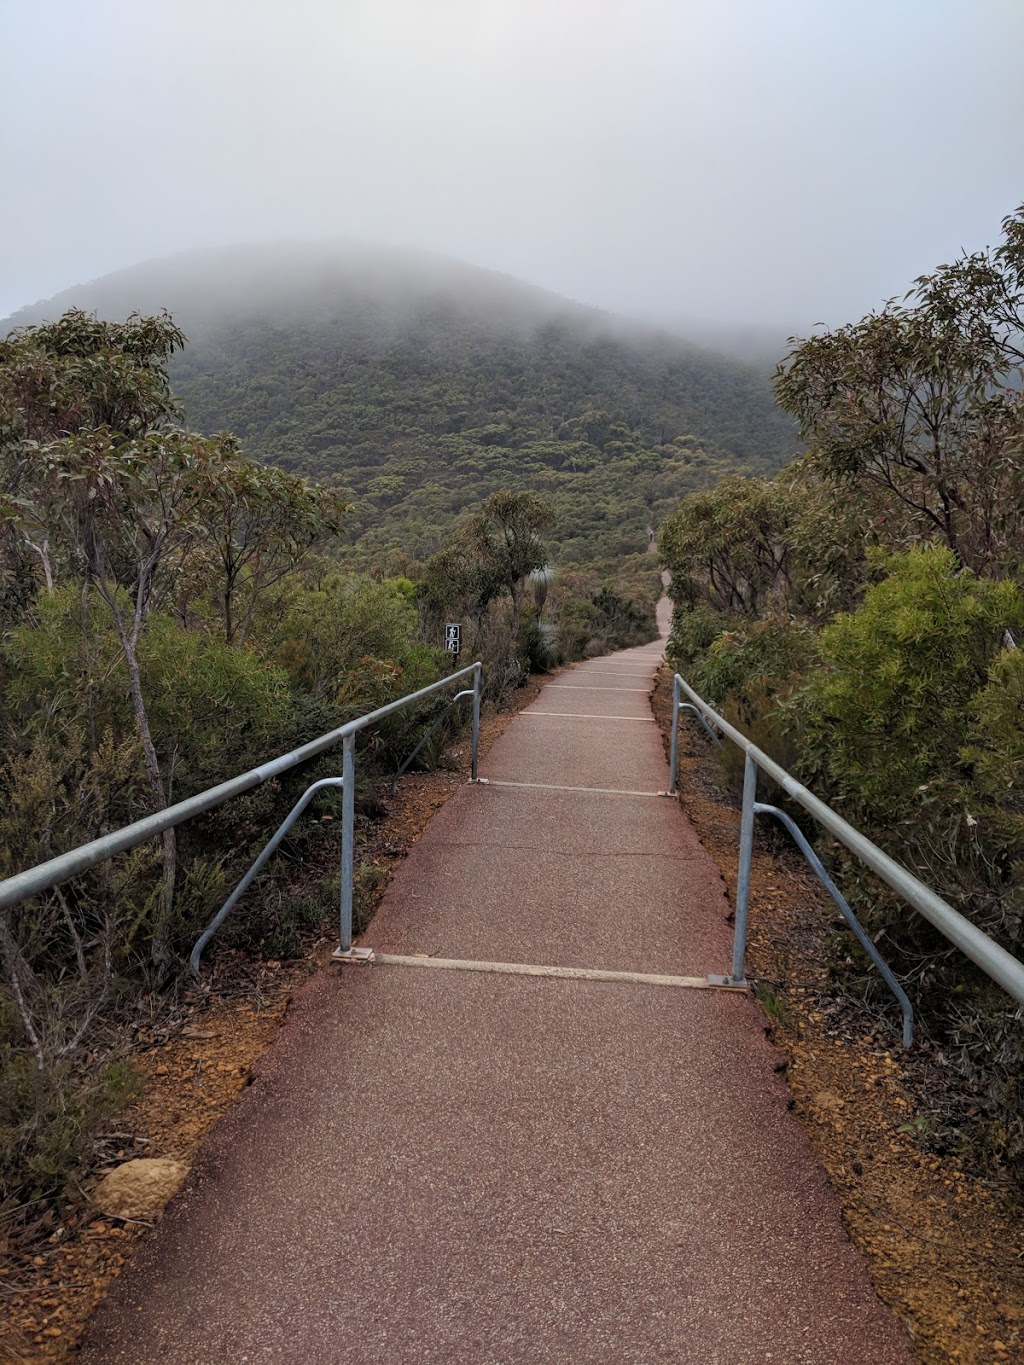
772 161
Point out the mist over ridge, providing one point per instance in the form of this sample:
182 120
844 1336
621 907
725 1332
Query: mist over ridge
417 385
207 287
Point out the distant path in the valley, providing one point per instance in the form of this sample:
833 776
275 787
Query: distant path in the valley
451 1165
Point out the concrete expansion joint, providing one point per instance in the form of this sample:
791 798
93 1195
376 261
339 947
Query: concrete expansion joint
582 715
566 852
368 956
582 687
561 787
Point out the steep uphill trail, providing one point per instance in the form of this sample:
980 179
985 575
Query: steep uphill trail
440 1164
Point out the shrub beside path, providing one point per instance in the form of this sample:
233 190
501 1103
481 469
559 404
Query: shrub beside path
442 1164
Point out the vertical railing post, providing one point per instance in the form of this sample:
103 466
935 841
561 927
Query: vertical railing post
477 676
739 941
348 834
673 767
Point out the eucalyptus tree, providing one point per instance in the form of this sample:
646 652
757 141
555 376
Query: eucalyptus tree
732 546
922 403
105 489
73 375
487 559
261 522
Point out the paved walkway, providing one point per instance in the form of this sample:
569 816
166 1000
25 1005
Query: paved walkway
443 1165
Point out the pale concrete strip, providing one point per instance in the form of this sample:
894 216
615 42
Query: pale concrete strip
611 673
569 715
582 687
456 964
560 787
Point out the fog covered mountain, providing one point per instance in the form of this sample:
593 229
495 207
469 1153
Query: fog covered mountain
419 384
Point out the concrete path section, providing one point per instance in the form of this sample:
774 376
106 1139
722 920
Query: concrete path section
443 1165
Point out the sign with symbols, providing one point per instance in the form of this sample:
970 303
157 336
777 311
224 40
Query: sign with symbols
453 637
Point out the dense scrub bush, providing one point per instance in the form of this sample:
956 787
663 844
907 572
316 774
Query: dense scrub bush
911 730
900 675
994 755
694 630
322 636
49 1118
906 712
747 671
594 615
213 708
765 657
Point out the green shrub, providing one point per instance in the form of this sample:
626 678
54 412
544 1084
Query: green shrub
895 696
995 754
765 658
914 731
324 635
694 630
761 716
214 708
49 1117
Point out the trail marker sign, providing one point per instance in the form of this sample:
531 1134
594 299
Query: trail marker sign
453 637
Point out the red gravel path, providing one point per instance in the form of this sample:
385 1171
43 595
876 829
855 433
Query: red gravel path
447 1166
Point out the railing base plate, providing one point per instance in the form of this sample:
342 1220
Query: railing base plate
352 955
727 983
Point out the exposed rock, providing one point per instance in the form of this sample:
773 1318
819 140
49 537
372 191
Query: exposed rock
139 1188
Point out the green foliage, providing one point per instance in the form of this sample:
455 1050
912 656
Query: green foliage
768 655
748 671
694 630
923 402
75 375
80 373
48 1121
210 705
504 536
731 546
418 388
482 576
995 754
900 676
328 639
261 523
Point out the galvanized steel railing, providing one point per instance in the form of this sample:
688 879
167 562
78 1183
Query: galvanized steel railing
77 860
1002 967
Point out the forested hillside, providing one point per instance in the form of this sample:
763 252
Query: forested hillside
416 386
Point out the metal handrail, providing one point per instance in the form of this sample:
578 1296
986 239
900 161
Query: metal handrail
269 849
818 868
66 865
444 712
1002 967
